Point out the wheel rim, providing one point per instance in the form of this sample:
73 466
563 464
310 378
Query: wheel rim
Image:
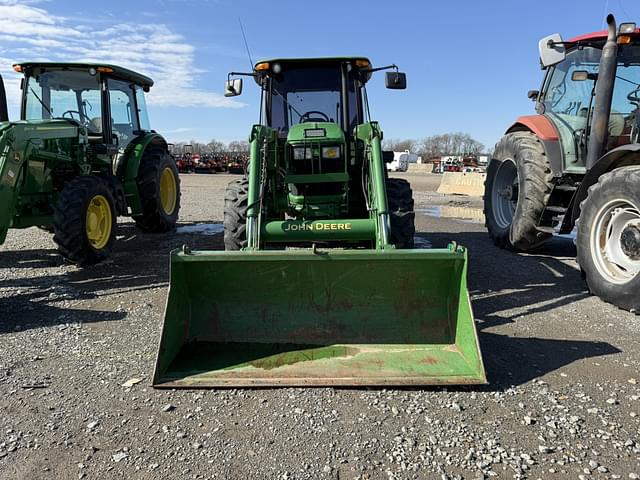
98 222
614 241
168 191
504 194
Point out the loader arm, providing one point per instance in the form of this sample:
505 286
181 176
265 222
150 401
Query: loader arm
371 135
259 140
10 168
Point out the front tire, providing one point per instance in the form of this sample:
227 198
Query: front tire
159 188
84 221
401 214
236 200
517 189
608 240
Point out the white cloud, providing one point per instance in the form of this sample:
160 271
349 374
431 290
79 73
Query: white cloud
178 130
151 49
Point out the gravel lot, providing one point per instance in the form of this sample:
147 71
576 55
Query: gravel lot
563 399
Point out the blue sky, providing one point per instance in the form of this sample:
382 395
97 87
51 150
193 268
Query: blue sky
469 63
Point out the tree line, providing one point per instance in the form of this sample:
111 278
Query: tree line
457 143
215 146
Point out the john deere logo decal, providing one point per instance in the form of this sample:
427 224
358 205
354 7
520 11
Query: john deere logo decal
316 227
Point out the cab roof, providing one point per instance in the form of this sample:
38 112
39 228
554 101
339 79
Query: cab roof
312 60
599 35
116 71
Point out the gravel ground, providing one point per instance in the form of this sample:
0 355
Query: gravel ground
77 349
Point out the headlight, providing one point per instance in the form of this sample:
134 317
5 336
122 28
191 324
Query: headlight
302 153
331 152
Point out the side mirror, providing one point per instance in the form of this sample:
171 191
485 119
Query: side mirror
395 80
551 49
533 95
233 87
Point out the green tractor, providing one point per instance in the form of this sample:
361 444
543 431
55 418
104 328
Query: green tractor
577 162
321 241
82 154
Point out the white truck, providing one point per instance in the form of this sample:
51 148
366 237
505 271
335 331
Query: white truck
401 161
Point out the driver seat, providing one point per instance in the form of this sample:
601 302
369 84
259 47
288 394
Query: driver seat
95 125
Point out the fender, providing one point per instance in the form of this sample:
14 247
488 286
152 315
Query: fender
129 163
546 131
623 156
538 124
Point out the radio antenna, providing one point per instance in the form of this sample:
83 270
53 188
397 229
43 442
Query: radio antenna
246 45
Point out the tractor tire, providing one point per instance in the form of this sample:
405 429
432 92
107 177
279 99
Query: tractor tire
517 189
159 188
608 241
236 200
401 214
84 220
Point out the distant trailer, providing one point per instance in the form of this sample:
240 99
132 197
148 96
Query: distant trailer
401 161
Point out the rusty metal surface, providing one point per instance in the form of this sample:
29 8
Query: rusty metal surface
345 318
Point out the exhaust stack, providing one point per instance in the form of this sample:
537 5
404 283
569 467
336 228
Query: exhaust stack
604 94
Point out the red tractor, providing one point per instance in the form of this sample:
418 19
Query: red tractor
577 161
184 162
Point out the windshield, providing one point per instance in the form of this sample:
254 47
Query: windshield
308 94
70 94
571 99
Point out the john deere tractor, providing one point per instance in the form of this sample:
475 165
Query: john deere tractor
319 284
577 162
82 154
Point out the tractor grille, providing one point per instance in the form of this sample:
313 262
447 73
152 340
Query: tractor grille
317 189
314 163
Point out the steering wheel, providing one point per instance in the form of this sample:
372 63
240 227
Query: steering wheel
558 92
634 96
306 117
82 120
70 113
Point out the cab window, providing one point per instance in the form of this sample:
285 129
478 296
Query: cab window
568 98
143 116
68 94
92 107
124 121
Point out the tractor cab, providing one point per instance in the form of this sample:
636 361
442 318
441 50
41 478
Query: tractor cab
106 100
567 96
298 92
312 90
315 107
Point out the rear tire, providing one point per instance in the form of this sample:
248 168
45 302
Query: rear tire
84 220
236 199
159 188
609 215
401 214
517 189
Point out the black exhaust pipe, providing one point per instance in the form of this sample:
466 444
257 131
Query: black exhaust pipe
4 113
604 95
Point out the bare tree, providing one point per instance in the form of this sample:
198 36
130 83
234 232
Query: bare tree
457 143
216 146
399 145
238 146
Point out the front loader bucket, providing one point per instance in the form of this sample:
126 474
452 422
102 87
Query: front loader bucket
298 318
